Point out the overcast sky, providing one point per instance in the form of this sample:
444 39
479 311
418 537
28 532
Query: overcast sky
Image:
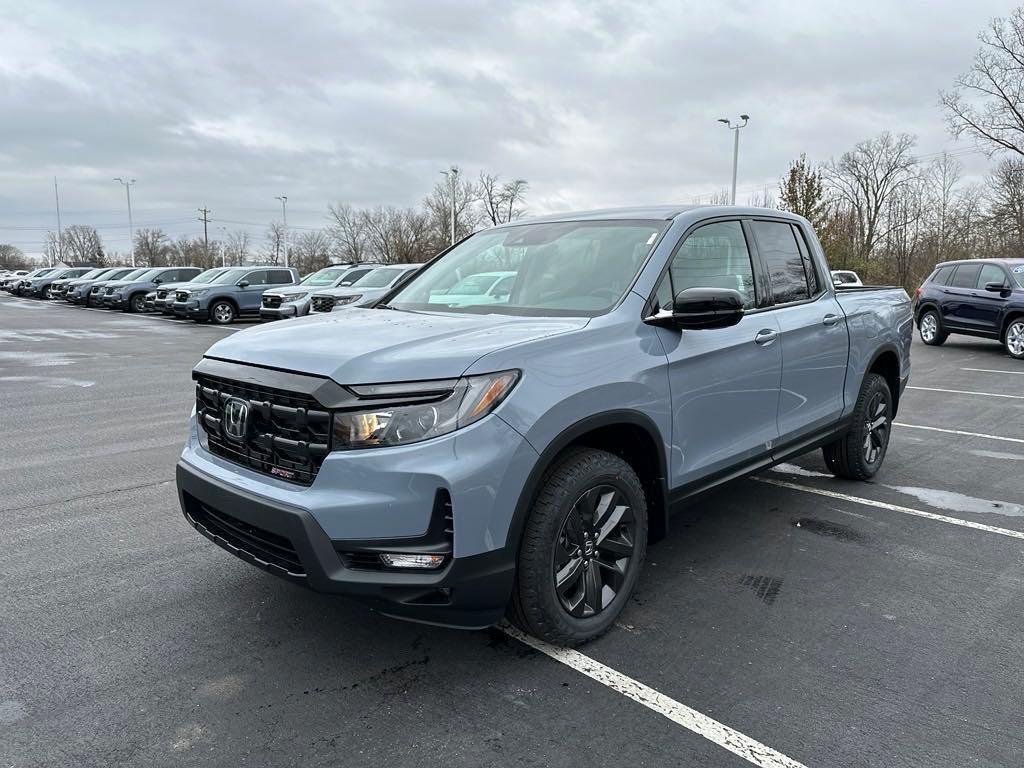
229 104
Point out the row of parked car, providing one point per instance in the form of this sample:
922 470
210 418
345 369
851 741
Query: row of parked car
222 294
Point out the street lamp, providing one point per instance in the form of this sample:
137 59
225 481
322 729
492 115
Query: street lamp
735 147
452 175
284 225
131 229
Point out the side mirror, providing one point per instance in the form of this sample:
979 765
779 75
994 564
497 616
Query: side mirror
996 287
701 308
243 283
158 280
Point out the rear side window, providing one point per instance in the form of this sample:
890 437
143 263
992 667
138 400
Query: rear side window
280 276
966 276
941 276
713 256
990 273
813 283
777 246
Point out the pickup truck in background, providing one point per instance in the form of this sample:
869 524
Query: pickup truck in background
454 462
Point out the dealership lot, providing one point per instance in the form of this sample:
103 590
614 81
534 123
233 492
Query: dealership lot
837 623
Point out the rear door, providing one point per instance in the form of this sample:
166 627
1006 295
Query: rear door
724 381
814 338
955 297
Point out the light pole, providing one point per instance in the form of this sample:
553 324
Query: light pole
452 174
131 229
284 216
735 147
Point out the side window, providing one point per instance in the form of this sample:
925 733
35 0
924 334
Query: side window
259 277
966 276
990 273
942 275
170 276
281 277
778 248
813 282
713 256
503 287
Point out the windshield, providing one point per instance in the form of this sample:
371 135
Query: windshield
208 276
473 284
558 268
93 273
231 276
145 274
378 278
325 276
135 273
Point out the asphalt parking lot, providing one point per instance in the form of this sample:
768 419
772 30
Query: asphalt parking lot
835 623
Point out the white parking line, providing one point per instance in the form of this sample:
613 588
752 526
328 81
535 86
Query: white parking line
993 370
959 432
749 749
966 392
895 508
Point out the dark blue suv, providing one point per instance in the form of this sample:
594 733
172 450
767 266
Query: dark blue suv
979 297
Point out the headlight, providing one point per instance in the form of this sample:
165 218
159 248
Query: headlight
292 296
469 400
341 301
197 293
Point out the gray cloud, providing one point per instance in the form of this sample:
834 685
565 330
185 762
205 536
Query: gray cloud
596 103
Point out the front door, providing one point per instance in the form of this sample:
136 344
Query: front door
724 381
955 298
250 296
986 307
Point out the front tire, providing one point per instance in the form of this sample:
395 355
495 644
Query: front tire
136 303
930 328
222 313
582 548
1014 339
858 454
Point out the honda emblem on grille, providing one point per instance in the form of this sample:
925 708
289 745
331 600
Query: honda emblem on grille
236 418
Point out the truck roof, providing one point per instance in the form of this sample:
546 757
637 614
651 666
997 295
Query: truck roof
654 213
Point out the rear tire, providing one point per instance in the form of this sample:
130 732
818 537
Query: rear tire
1014 339
930 328
582 549
858 454
222 313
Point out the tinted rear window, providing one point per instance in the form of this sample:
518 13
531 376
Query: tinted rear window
778 248
942 274
966 276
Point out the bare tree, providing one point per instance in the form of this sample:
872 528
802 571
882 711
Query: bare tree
502 202
236 250
188 251
348 233
152 248
398 235
1006 204
438 207
12 257
82 246
802 191
987 102
864 179
311 251
273 250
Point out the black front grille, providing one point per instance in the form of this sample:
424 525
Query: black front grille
181 296
272 302
323 303
161 295
287 435
268 549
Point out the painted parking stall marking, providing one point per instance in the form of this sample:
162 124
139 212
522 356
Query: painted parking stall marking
967 392
993 370
960 432
749 749
894 508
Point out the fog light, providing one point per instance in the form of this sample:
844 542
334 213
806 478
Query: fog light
412 561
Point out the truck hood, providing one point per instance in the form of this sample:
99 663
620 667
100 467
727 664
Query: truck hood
370 346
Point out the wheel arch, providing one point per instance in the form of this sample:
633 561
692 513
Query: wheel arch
629 434
886 363
1013 314
924 306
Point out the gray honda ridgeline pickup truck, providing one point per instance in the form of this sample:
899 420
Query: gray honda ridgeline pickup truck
457 463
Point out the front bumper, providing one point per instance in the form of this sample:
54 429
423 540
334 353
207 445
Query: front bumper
113 302
378 500
284 312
